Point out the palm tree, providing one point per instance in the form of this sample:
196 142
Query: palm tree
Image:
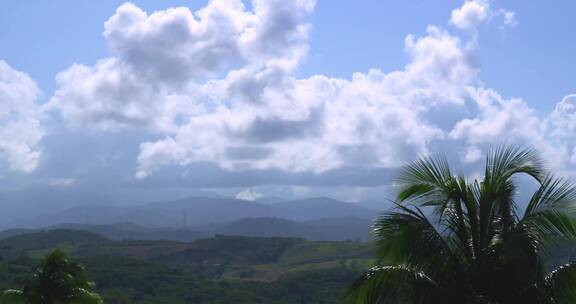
57 281
455 240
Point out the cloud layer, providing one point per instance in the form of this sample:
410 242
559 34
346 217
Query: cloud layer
220 86
20 130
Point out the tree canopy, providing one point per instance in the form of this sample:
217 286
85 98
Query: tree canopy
452 239
58 280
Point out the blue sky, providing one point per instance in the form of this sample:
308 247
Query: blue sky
532 61
277 112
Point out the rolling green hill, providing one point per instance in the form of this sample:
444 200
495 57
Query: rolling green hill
222 269
36 244
327 229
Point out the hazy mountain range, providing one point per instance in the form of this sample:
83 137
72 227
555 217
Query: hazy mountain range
193 212
329 229
192 218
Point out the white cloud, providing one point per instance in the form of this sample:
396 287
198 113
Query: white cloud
219 86
495 116
163 63
474 13
471 14
509 18
322 123
564 117
243 108
62 182
563 125
249 194
472 154
497 119
20 130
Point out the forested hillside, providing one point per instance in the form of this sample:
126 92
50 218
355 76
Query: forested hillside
222 269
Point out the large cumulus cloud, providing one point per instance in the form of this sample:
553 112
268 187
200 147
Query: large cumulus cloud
219 85
20 129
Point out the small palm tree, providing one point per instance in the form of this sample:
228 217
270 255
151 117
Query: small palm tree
57 281
455 240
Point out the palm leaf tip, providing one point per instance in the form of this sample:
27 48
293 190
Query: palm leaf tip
389 284
561 283
504 161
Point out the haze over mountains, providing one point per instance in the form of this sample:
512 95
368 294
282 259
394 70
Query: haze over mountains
319 218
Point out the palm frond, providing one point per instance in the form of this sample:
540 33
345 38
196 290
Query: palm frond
464 240
12 296
551 212
426 180
497 207
514 268
553 194
429 182
504 161
407 237
393 284
83 296
548 226
562 284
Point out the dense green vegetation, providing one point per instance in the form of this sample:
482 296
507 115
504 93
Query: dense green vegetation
223 269
455 240
450 240
57 280
41 243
